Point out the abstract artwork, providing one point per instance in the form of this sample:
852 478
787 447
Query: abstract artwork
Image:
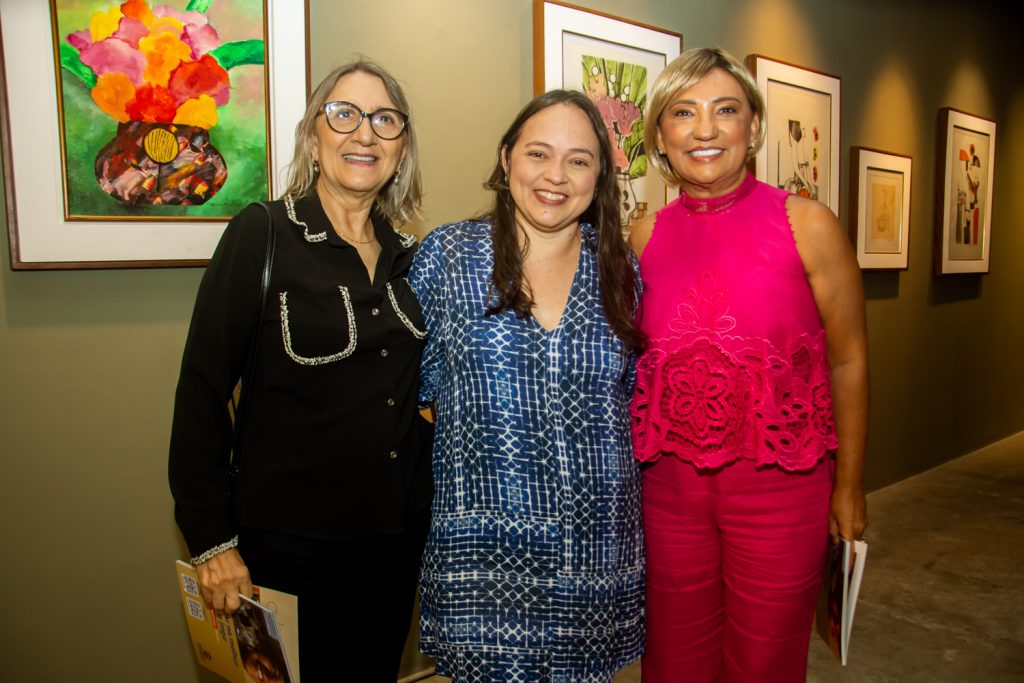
966 164
801 150
140 127
614 61
880 208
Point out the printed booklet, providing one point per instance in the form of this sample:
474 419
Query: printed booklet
843 572
257 644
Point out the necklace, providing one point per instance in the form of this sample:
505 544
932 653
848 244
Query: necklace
355 241
373 236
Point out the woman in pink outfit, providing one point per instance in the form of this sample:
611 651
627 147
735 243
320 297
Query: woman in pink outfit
750 426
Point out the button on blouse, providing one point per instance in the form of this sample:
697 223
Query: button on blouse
326 417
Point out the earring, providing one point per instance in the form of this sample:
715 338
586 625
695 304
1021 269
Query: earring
316 166
661 152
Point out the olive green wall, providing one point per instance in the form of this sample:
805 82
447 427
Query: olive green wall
88 359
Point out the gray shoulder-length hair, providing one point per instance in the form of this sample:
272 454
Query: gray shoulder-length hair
684 72
400 199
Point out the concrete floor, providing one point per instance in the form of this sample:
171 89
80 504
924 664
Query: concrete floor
942 599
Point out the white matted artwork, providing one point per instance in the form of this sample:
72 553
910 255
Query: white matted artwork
614 61
880 208
966 151
801 150
41 238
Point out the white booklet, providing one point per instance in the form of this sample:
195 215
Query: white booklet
841 587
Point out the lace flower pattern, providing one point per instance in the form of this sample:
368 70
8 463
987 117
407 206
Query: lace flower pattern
711 397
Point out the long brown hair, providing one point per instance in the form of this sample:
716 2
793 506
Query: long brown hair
614 266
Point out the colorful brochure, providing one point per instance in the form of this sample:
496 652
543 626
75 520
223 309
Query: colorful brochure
257 644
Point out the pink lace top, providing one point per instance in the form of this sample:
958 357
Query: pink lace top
736 364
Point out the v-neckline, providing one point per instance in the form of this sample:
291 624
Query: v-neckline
568 300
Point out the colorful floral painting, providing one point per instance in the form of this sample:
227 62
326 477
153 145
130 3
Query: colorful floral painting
619 90
163 107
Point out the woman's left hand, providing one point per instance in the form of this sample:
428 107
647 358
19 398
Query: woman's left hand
848 515
838 290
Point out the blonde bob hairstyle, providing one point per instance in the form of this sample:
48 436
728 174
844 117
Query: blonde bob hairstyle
400 198
684 72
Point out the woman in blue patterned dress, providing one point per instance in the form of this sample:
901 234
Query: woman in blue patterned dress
534 565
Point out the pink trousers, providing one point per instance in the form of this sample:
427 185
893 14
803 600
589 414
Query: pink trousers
734 561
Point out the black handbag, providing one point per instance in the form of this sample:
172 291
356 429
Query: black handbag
240 404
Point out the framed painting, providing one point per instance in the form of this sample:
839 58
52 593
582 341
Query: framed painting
963 196
140 128
614 61
880 208
801 150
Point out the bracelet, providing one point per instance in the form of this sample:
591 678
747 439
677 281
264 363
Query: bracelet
216 550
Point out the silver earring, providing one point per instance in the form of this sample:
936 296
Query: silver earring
316 167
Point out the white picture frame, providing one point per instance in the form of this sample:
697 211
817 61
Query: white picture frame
965 173
565 35
805 162
880 208
40 236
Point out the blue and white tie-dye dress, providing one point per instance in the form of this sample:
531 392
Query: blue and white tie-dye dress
533 570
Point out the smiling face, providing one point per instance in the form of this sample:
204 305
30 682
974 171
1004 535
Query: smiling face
705 132
357 163
553 168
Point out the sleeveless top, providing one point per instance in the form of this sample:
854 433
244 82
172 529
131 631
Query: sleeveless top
736 363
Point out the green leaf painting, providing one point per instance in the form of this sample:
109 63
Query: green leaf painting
619 90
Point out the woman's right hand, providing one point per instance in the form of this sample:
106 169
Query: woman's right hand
223 578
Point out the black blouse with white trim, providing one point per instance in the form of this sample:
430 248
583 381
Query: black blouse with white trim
334 447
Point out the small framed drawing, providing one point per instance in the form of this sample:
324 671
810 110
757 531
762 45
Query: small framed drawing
801 149
614 61
880 208
133 131
963 196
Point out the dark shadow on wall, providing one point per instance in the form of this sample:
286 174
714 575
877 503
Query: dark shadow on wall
951 289
880 285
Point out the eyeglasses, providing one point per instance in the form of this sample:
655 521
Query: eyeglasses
345 117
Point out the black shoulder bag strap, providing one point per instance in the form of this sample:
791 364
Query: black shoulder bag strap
242 409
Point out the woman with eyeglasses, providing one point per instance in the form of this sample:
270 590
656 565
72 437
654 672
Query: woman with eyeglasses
331 497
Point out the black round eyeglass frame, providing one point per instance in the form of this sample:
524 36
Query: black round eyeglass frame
402 117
